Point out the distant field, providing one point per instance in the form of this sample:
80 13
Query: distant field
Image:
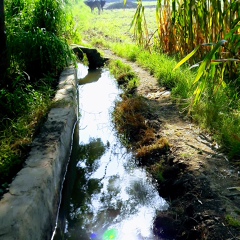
114 24
129 4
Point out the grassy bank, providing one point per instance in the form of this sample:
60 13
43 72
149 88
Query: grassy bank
211 101
38 37
38 50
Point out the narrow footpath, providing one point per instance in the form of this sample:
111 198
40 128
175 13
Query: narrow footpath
201 185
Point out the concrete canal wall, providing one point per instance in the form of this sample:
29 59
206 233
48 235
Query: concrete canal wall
29 210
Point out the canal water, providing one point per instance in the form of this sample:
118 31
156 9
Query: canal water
105 195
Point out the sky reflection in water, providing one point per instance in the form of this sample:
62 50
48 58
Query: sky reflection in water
117 199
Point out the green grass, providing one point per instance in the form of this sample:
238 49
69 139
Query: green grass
219 108
126 78
38 33
218 111
233 222
17 133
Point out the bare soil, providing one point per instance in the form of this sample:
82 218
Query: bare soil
200 184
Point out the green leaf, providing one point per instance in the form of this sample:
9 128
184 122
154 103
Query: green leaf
198 91
187 57
207 60
208 44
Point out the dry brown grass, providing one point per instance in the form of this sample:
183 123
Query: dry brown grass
129 117
147 136
146 153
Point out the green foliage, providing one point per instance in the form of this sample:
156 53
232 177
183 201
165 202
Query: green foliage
209 71
52 16
29 107
37 36
49 15
124 75
233 222
140 27
41 53
220 113
161 67
229 132
128 51
34 30
19 15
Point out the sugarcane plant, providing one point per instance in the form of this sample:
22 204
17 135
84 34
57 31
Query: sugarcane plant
204 35
209 30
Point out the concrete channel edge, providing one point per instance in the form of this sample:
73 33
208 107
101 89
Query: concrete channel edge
29 210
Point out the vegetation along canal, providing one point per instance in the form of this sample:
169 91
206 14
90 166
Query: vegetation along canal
105 195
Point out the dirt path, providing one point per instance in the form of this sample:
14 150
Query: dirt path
200 184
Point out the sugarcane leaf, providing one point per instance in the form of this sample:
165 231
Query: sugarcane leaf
233 188
215 63
207 60
186 58
198 91
225 60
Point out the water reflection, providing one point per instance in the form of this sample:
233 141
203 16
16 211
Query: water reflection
89 153
111 198
88 76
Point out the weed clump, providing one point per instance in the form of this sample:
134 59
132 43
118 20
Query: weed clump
129 119
124 75
146 153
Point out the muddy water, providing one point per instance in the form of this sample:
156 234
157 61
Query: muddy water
105 195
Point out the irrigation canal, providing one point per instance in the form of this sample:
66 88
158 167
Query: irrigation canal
105 195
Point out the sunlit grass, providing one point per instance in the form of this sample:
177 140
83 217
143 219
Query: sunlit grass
129 51
125 76
112 30
17 134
